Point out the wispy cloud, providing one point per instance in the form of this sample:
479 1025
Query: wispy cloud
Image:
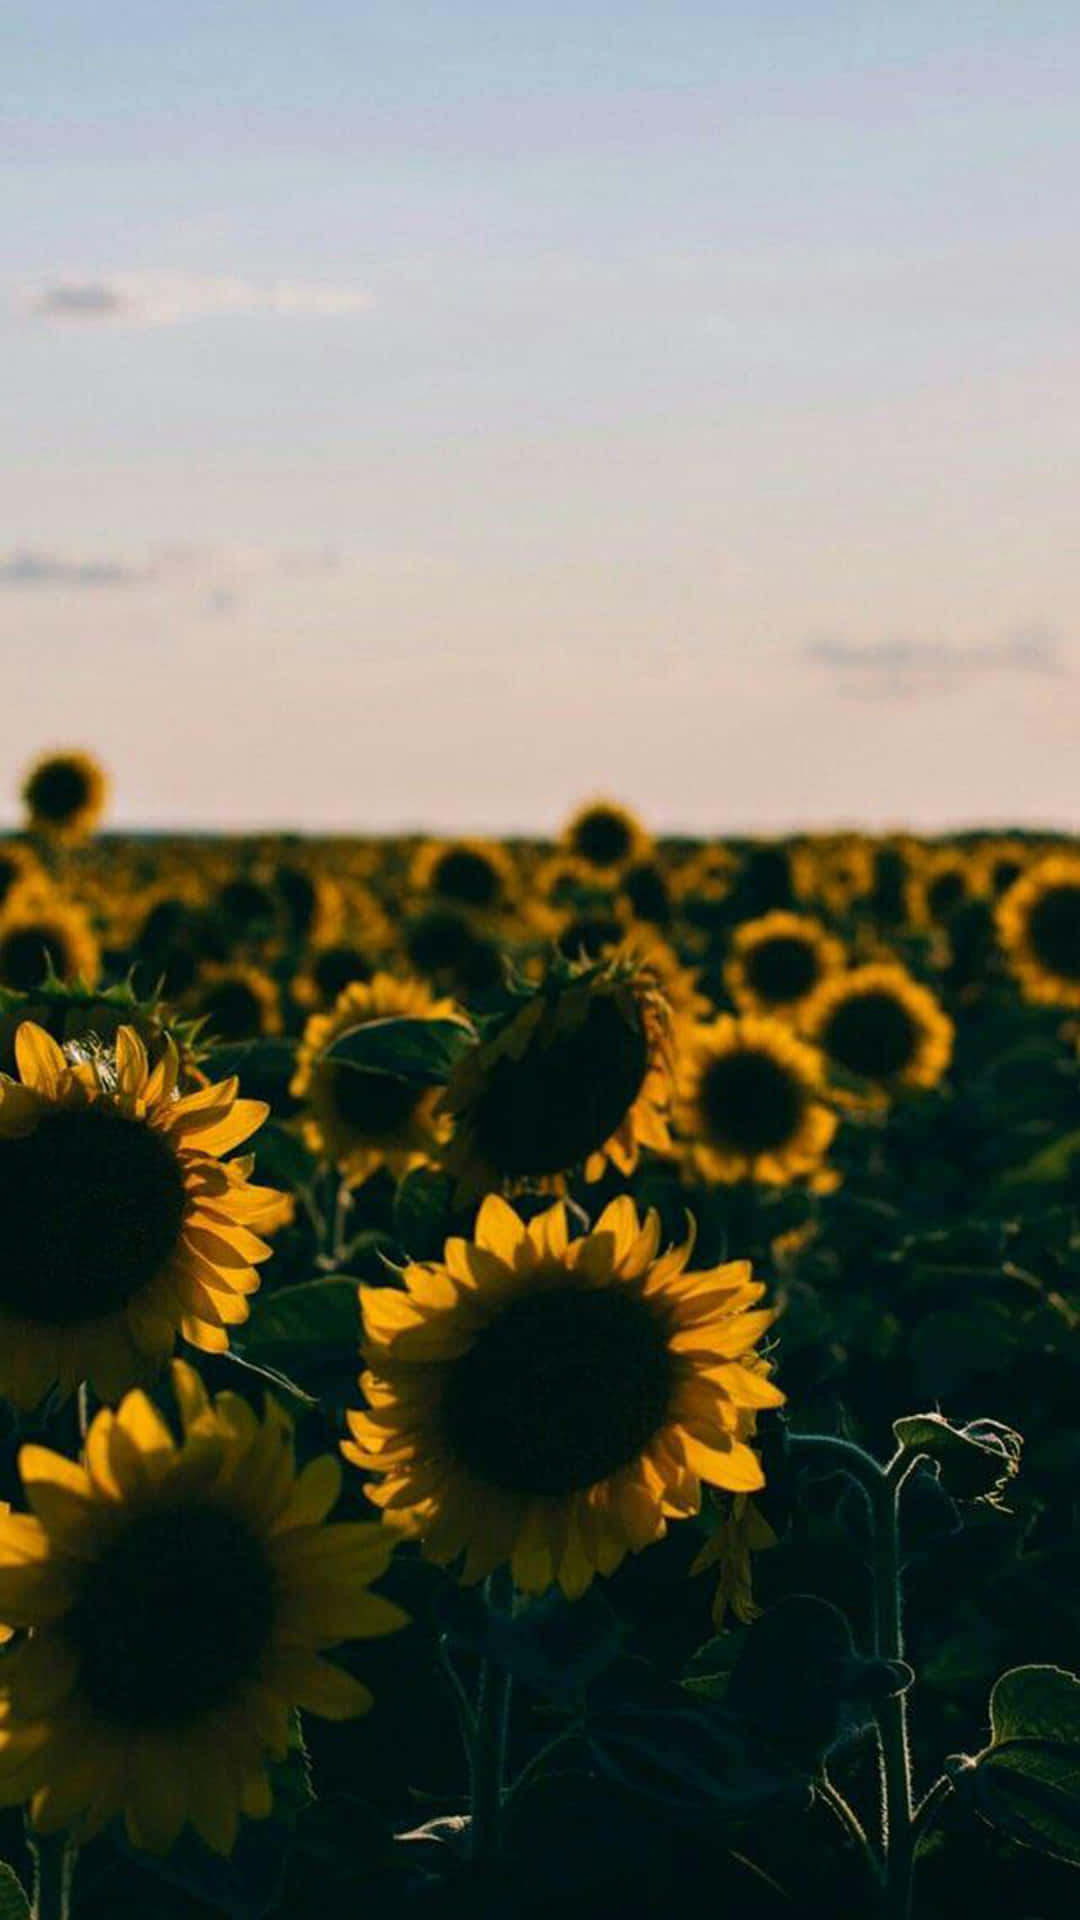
899 667
27 568
169 299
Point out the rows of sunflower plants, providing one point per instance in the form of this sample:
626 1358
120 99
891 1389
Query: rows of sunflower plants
537 1375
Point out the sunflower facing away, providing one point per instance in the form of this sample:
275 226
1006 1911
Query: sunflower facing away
65 795
879 1024
179 1598
1039 928
552 1403
358 1120
778 960
750 1104
577 1075
122 1224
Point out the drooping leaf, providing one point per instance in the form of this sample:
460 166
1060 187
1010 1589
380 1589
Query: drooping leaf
422 1051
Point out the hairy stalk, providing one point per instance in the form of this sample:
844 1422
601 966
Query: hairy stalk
882 1486
487 1753
54 1870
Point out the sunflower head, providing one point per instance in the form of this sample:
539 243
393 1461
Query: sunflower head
576 1074
235 1001
123 1224
361 1120
1039 928
18 868
750 1102
470 876
604 838
777 962
65 795
179 1595
45 937
879 1025
444 945
551 1402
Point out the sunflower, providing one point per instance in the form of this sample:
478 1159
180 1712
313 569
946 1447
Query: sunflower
576 1075
359 1120
444 945
750 1103
605 838
474 876
18 868
1039 928
553 1402
777 961
43 933
880 1025
235 1000
65 795
122 1225
179 1598
942 880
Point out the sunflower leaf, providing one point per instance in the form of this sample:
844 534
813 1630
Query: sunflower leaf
422 1051
977 1461
1027 1781
14 1904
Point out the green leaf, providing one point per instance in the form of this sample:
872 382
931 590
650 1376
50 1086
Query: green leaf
977 1460
1036 1703
1027 1781
690 1764
14 1904
424 1051
554 1645
1050 1165
315 1313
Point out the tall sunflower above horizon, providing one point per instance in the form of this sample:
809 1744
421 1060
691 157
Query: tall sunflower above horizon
65 795
551 1403
123 1225
179 1597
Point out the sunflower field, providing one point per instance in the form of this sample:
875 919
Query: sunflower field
537 1376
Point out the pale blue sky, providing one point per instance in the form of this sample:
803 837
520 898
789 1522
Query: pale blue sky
434 413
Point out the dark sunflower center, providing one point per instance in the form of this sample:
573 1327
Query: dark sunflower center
782 968
561 1390
298 895
751 1101
646 890
335 968
871 1034
560 1102
590 934
58 790
370 1104
246 902
465 876
603 837
26 953
92 1206
1054 930
9 873
1004 872
442 943
173 1619
946 892
233 1010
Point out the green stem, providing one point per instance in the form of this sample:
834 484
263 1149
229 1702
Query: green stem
928 1809
852 1825
54 1870
487 1752
882 1486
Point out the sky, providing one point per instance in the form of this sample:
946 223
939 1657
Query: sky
435 414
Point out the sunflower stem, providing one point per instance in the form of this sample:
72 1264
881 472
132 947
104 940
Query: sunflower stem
54 1870
845 1813
487 1758
883 1486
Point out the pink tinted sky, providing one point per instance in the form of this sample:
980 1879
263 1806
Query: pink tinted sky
437 418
